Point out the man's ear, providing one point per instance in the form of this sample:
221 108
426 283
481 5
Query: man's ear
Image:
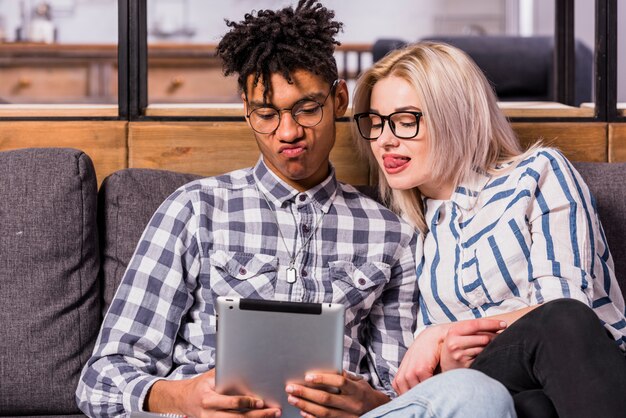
342 98
245 107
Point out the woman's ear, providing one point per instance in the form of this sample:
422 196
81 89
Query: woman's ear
342 98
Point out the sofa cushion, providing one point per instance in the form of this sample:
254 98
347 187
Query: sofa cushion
49 292
607 182
128 199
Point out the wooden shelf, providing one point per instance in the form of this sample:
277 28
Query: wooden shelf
200 109
544 109
510 109
61 110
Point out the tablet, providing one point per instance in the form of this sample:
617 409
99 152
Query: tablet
262 345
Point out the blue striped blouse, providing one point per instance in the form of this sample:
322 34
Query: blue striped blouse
502 243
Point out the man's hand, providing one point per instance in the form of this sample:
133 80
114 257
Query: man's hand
421 360
197 398
467 339
346 395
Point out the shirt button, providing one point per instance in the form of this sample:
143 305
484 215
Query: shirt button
305 228
303 273
302 197
242 271
362 281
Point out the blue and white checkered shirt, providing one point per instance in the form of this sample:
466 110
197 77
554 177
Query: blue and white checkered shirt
506 242
219 237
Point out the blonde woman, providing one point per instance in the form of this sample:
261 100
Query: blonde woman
515 276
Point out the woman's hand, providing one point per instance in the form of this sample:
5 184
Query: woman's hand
467 339
421 361
334 395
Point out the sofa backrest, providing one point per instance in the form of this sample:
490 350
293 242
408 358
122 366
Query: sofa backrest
607 182
126 200
49 290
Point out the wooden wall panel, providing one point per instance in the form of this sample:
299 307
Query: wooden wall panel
350 167
578 141
103 141
617 142
205 148
212 148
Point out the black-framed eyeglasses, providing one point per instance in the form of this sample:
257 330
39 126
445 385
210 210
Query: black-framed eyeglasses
306 112
404 125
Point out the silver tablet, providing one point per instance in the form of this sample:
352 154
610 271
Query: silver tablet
262 345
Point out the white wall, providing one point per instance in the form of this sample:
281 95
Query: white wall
77 21
364 20
95 21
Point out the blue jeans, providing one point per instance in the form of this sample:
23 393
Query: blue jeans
459 393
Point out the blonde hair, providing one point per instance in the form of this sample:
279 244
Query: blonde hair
467 130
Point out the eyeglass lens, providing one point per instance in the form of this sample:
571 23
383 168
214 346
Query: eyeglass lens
306 113
403 124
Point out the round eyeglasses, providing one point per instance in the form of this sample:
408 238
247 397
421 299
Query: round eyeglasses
404 125
306 112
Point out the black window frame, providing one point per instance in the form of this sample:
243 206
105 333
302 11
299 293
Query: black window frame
605 64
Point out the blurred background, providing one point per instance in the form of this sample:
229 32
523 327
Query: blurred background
65 51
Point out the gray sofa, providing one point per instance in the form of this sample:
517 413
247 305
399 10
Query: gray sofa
64 247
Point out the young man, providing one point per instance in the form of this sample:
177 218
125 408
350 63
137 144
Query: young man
282 230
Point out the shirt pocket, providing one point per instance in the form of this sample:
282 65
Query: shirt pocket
498 271
355 284
242 274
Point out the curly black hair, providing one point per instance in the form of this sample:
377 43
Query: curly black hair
281 42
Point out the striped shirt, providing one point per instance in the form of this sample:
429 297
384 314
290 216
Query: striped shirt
502 243
219 237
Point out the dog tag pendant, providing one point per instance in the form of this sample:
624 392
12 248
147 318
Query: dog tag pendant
291 275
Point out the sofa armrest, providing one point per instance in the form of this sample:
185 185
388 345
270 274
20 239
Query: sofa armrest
49 292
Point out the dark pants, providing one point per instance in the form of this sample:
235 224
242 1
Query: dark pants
558 361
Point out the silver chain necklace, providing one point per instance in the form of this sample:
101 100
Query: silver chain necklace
292 274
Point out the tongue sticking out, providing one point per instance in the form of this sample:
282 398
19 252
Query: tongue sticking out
395 162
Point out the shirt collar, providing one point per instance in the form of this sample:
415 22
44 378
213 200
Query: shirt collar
465 195
468 191
281 193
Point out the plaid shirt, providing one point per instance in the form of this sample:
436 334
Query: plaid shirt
219 237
